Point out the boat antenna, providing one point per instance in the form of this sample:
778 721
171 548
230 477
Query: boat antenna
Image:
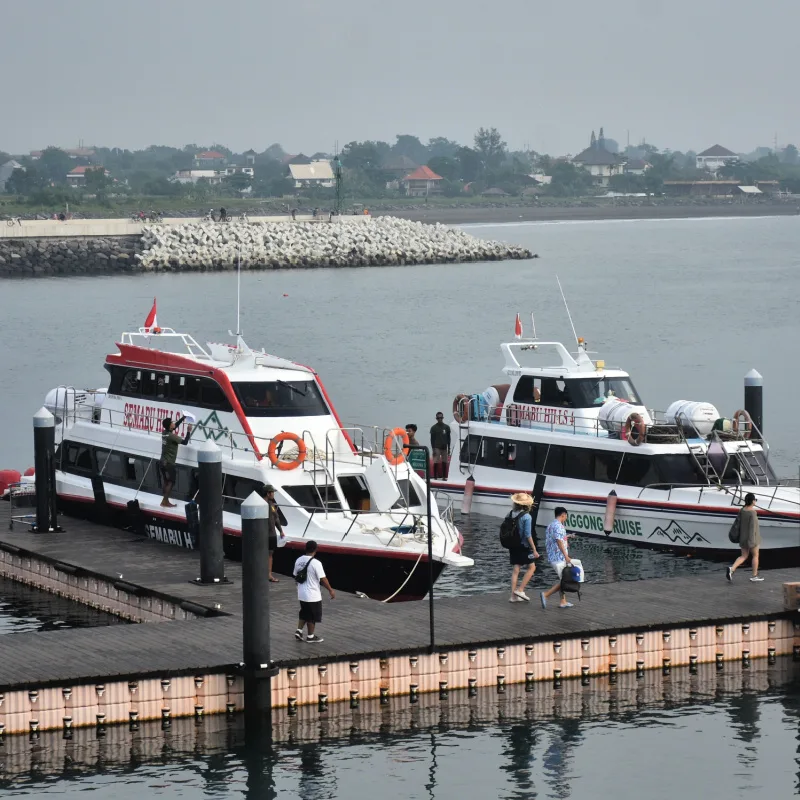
574 333
238 333
533 325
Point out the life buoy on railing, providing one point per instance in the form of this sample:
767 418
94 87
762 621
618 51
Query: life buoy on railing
461 408
272 452
634 429
388 446
747 423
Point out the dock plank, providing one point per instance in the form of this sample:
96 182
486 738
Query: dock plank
352 627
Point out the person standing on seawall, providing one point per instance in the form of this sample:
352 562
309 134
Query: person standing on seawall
749 538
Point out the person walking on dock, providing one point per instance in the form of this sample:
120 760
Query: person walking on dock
523 553
440 444
555 541
169 455
749 537
309 574
276 521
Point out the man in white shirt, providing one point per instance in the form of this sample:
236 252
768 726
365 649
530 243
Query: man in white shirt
308 592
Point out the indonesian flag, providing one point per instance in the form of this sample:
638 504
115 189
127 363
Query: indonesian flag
152 322
517 326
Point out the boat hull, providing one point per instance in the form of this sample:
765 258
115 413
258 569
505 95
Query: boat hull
376 575
692 529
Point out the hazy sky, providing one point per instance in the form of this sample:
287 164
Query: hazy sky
683 74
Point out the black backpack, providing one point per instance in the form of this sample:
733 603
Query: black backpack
508 532
302 573
569 580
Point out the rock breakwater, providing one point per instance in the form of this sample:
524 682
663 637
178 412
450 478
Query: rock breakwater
75 256
384 241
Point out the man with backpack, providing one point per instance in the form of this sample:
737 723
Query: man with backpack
516 534
309 574
557 554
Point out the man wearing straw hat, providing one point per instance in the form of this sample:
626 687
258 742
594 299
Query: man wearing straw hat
522 554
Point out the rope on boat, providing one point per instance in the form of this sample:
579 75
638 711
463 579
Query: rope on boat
392 596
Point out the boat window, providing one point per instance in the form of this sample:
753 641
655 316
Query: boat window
472 450
592 392
528 390
579 463
355 491
168 387
678 468
314 498
146 474
280 399
78 458
410 497
113 466
236 489
556 392
606 465
131 382
554 465
177 388
638 470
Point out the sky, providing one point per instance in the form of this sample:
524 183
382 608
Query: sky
683 74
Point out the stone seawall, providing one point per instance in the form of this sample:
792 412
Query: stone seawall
24 258
385 241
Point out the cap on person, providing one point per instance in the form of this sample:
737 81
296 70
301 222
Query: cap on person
266 489
522 499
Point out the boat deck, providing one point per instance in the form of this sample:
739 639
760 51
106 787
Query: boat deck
352 627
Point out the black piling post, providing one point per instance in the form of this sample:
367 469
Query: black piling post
754 398
255 615
212 558
44 461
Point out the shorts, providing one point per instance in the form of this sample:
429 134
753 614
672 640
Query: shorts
439 454
520 556
168 473
311 612
273 544
558 566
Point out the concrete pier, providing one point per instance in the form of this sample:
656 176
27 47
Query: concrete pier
187 665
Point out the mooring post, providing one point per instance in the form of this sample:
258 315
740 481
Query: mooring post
258 670
212 558
754 398
428 501
44 465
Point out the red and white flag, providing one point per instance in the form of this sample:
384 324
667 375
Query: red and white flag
517 327
152 322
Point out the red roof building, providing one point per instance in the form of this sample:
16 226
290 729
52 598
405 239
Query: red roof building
210 158
421 182
77 176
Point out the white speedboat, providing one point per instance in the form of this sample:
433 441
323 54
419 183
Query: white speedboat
274 423
674 480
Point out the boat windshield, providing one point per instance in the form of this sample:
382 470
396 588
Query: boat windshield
280 398
590 392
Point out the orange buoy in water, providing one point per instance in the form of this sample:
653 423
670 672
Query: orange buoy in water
611 513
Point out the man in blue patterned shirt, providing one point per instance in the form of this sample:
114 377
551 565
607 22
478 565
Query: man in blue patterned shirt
555 540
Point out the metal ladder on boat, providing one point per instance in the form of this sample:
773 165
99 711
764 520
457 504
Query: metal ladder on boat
751 465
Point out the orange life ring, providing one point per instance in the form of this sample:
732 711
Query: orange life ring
748 423
634 423
388 450
272 452
461 408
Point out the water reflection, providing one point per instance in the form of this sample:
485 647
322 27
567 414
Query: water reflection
545 743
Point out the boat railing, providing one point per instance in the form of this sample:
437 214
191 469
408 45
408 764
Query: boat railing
737 491
186 342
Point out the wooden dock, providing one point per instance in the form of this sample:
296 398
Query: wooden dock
184 659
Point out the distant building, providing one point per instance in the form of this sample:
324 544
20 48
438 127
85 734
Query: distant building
715 158
210 159
213 176
315 173
637 166
250 157
77 177
73 152
421 182
396 167
599 162
6 171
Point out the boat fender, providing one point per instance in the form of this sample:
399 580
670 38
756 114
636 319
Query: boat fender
29 472
7 478
634 429
611 513
466 502
747 423
461 408
388 446
272 452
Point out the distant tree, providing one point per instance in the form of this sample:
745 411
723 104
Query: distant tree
25 181
490 147
441 147
626 183
411 147
54 164
790 155
96 181
275 151
569 180
611 145
470 161
448 168
361 155
238 182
